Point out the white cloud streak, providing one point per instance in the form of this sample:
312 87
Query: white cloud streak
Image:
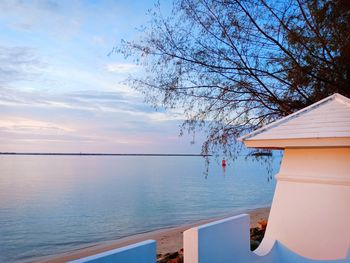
121 68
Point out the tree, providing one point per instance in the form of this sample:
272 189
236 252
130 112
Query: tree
235 65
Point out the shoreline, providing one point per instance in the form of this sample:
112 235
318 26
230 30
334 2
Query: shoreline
168 239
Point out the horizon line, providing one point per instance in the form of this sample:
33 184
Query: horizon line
103 154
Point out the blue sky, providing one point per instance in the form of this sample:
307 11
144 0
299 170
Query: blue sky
61 92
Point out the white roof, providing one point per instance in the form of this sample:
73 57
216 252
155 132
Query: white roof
322 124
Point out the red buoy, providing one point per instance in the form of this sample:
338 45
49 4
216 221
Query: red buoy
223 162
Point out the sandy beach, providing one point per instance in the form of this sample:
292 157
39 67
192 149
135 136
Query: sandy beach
168 240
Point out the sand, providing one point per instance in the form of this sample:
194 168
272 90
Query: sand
168 240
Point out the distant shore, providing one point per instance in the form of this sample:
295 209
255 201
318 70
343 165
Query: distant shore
106 154
168 240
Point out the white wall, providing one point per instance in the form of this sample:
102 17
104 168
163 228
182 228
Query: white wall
310 213
142 252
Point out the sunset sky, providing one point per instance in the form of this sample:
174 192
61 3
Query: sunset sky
61 92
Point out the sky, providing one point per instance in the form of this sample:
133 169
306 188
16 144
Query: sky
60 91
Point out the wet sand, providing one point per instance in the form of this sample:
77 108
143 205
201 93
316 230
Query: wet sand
168 240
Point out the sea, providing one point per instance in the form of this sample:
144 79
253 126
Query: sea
54 204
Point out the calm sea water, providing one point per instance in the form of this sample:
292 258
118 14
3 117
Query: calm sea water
52 204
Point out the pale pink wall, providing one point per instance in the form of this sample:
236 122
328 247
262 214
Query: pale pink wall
310 213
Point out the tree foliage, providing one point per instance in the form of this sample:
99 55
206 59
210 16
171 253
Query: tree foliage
235 65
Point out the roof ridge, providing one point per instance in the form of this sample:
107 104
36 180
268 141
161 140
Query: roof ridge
342 99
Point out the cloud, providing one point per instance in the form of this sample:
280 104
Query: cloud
65 94
26 125
89 100
129 114
121 67
85 121
18 63
132 113
99 40
40 5
60 20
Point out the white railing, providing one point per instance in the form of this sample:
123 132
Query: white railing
222 241
142 252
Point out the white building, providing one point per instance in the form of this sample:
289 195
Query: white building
310 213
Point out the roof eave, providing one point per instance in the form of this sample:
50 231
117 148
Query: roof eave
298 143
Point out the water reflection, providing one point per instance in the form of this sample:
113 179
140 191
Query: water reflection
223 165
53 204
